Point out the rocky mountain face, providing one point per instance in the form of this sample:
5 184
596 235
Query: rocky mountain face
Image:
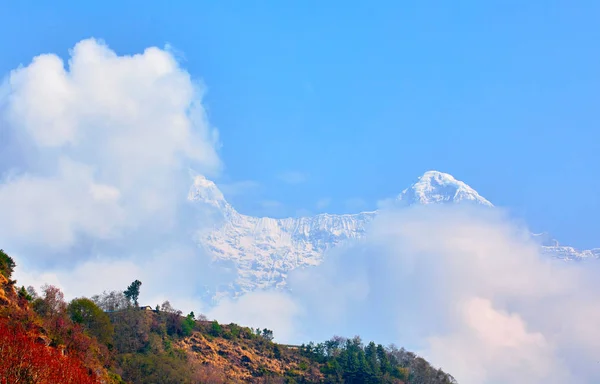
264 250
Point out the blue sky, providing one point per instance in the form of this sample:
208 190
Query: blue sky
333 107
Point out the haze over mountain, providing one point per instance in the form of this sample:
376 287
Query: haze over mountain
264 250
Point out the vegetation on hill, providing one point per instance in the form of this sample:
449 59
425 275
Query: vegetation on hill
108 338
32 347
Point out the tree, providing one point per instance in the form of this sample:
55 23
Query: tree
384 362
188 324
168 308
52 304
215 329
23 294
111 301
62 331
31 292
7 264
372 360
132 293
94 321
267 334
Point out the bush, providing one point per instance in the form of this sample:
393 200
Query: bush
277 352
187 325
24 361
215 329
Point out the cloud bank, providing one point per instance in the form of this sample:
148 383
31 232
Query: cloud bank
465 288
107 140
95 195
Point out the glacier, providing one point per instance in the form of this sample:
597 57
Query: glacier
264 250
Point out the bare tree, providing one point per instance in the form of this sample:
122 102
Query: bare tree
111 301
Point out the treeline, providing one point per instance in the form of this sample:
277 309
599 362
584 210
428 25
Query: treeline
350 361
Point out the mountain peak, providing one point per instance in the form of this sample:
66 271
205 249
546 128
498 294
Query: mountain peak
436 177
435 187
206 191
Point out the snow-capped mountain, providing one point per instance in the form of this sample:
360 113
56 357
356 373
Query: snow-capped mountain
265 249
436 188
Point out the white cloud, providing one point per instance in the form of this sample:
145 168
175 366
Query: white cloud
293 177
107 141
495 346
52 210
467 289
98 197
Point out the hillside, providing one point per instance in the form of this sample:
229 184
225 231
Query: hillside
43 349
110 339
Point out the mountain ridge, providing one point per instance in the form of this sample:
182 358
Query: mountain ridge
264 249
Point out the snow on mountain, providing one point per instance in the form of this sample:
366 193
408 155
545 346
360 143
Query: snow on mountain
205 191
265 249
436 187
552 248
569 253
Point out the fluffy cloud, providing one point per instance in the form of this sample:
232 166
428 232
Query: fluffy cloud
105 142
465 288
95 195
490 345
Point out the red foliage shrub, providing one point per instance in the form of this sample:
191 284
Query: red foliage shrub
22 360
62 331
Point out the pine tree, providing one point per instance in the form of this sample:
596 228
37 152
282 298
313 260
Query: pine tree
133 292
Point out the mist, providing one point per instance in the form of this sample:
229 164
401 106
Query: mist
464 287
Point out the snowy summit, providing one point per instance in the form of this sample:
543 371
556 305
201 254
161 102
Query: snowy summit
437 187
265 249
